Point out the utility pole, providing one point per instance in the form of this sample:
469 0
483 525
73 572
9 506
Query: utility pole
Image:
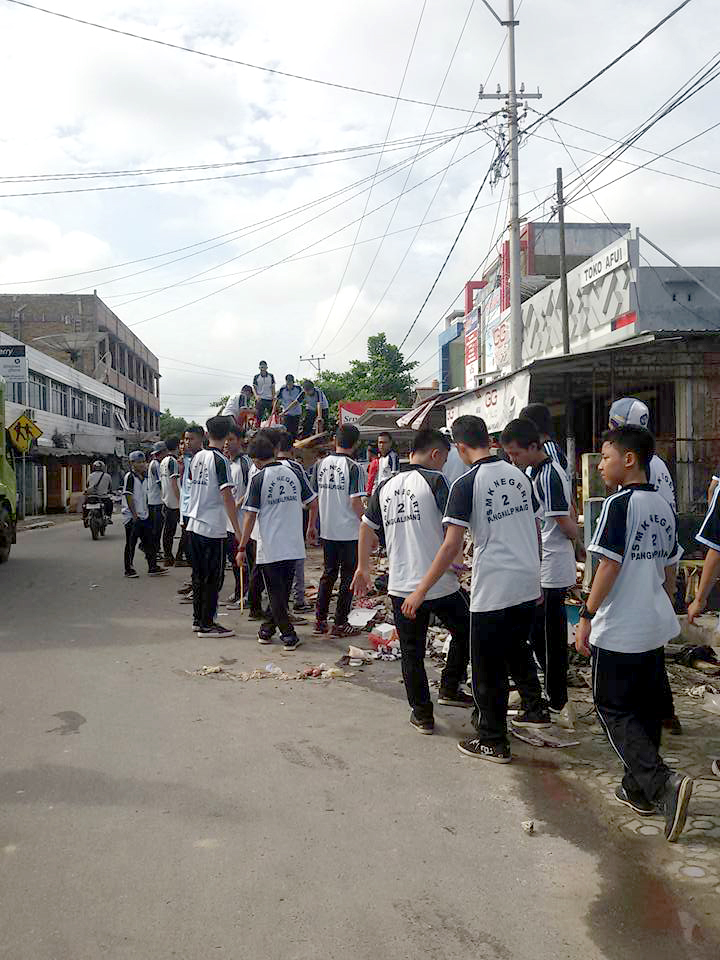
315 361
569 411
514 225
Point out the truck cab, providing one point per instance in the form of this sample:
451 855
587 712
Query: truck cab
8 488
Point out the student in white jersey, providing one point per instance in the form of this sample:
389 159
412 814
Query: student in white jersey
264 390
496 503
389 461
275 501
211 506
290 399
192 443
409 508
136 517
170 484
628 618
521 442
154 493
542 418
284 453
632 412
339 483
240 465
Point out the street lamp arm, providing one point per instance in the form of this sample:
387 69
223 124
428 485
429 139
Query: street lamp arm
497 17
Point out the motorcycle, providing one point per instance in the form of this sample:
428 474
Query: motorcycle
94 516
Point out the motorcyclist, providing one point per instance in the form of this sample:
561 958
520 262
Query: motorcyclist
100 485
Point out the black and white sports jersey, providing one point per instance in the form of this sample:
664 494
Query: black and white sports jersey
136 486
709 532
662 481
555 452
636 528
154 484
496 502
209 475
338 480
554 493
277 495
240 477
409 509
168 469
388 466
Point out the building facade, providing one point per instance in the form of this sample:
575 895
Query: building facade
80 330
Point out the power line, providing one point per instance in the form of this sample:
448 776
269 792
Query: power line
239 63
372 185
407 177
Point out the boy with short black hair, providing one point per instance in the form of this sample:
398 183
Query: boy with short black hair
628 618
496 503
389 461
170 484
275 499
542 418
521 441
211 506
409 508
136 517
284 452
338 481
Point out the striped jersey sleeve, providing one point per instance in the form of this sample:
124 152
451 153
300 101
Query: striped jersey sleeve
709 532
610 533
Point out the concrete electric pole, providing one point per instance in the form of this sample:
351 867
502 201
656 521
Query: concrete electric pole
514 221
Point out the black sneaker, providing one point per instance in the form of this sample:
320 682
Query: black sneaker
422 726
157 572
291 642
674 804
458 698
259 615
264 637
302 607
215 630
637 802
132 574
185 589
196 627
495 752
538 719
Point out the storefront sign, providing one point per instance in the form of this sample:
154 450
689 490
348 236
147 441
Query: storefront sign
350 411
497 404
605 262
472 351
13 363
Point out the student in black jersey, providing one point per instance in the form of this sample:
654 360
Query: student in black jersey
541 417
409 508
627 620
558 572
496 503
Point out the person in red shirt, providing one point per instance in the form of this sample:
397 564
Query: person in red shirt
372 469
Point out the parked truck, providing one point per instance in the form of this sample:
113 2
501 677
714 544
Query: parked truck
8 487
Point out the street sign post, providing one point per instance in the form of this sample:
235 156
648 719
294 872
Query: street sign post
22 433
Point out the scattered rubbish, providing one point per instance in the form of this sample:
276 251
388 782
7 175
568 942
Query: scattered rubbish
384 638
699 657
206 671
363 616
40 525
356 653
541 737
528 826
711 703
381 582
271 672
94 586
271 668
565 718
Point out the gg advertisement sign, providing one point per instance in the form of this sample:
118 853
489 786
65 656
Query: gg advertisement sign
497 404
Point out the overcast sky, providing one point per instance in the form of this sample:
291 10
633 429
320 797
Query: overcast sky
78 100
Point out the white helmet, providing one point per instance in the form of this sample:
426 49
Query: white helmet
99 465
629 411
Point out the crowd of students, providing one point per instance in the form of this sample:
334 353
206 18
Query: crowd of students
250 503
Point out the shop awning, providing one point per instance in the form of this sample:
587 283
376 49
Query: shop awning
421 415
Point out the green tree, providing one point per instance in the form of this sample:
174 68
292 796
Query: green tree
171 426
220 404
385 375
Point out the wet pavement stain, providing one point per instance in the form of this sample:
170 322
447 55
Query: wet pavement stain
637 914
71 722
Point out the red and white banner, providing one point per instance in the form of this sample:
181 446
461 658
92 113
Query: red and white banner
351 410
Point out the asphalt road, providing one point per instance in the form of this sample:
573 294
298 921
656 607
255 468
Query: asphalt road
146 813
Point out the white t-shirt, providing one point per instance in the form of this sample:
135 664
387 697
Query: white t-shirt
168 469
636 528
662 481
234 405
388 467
709 532
554 493
239 474
185 485
209 475
291 400
496 502
136 486
264 385
338 480
154 488
99 484
409 507
277 495
454 466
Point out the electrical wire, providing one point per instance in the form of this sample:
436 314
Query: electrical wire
394 211
372 185
239 63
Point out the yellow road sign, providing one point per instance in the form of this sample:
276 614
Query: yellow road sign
23 432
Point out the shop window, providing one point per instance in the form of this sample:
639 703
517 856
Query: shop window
106 415
78 405
93 410
17 392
